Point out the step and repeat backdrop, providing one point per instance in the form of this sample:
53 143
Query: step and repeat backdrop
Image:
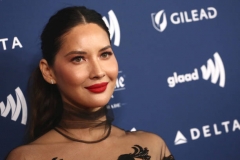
179 70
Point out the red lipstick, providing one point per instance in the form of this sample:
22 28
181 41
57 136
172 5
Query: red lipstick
97 88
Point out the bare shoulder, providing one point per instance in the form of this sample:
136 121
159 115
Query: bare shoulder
50 137
148 138
140 136
30 150
19 153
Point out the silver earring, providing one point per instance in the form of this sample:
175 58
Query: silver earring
51 81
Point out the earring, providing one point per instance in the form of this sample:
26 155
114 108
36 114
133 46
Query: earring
51 81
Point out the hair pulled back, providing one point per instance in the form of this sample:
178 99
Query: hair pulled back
45 99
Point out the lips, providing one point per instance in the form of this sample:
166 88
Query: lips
98 88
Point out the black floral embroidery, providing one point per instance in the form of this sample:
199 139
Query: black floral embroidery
139 152
56 158
169 158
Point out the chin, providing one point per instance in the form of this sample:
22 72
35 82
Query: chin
100 100
98 104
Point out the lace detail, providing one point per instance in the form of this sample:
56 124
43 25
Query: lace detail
168 158
139 152
56 158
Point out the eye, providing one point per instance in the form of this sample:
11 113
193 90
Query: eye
77 59
106 55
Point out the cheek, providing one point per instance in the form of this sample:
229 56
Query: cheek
113 70
70 76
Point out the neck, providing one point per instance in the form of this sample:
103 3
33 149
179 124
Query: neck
83 124
77 118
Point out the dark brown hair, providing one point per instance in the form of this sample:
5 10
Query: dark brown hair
45 99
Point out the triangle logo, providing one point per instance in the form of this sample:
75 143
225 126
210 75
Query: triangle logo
180 139
133 129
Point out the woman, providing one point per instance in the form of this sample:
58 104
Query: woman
69 93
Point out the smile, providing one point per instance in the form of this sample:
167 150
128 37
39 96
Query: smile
98 88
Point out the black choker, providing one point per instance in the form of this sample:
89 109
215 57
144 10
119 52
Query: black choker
82 141
78 118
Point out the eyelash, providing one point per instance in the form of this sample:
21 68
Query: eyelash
106 53
76 59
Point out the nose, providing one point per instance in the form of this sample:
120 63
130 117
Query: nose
96 71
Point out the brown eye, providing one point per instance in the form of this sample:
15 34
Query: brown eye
106 54
78 59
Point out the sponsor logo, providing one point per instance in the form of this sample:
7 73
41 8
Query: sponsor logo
113 27
208 131
160 19
120 86
14 107
215 70
133 129
114 105
180 139
120 82
15 43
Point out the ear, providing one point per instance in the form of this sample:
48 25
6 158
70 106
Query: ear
47 72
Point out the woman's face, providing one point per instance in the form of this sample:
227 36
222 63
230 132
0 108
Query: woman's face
85 68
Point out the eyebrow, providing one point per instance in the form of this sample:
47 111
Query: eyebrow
105 48
83 52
